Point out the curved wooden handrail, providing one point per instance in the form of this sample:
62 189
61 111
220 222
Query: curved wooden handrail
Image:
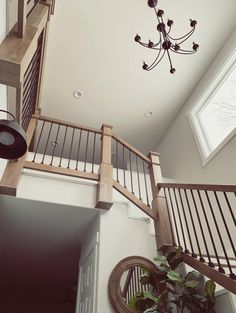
114 289
223 188
66 123
128 146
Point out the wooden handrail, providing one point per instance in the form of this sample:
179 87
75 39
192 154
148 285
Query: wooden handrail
128 146
208 187
65 123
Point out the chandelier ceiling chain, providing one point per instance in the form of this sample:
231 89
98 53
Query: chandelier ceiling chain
166 43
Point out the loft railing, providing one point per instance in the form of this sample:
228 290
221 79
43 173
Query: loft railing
31 85
64 148
203 223
132 170
199 218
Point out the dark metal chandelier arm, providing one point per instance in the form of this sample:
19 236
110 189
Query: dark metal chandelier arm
170 27
4 111
180 51
171 66
186 36
153 48
156 61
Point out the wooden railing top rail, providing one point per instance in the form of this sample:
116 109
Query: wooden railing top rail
66 123
128 146
223 188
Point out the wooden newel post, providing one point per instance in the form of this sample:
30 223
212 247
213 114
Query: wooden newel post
162 223
22 16
105 187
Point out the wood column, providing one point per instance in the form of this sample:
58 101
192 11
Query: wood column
22 16
162 223
105 187
13 170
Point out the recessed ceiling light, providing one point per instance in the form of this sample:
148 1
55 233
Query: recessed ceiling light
148 114
77 94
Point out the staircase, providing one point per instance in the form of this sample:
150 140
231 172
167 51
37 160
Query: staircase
199 218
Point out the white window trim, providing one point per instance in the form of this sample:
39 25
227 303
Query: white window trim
210 90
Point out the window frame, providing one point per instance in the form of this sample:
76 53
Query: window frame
207 153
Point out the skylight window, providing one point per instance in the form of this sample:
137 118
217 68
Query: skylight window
214 117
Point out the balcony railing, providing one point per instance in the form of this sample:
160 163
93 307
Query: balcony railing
203 223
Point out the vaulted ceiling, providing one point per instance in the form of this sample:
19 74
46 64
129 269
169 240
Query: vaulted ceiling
91 48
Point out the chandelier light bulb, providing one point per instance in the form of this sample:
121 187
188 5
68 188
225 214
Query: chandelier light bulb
166 43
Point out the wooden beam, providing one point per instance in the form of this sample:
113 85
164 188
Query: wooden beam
13 170
22 16
60 170
136 201
219 278
163 224
105 187
16 53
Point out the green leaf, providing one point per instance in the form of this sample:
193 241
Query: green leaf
159 258
174 276
210 288
191 284
149 295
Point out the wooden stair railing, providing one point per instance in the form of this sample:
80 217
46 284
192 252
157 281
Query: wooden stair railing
203 223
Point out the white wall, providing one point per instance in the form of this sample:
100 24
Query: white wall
3 91
120 237
180 157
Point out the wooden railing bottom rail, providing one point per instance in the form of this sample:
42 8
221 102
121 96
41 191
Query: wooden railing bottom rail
220 278
60 170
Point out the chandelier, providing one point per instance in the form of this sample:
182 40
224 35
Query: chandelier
166 43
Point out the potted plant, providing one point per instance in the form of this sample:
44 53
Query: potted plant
177 293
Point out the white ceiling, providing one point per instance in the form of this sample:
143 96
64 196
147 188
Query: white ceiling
91 48
40 249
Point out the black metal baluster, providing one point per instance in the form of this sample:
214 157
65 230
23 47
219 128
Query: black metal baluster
221 270
230 209
186 223
46 146
40 135
86 151
180 219
210 263
72 140
55 143
139 189
62 151
78 151
170 219
145 181
117 157
124 166
134 277
131 174
232 275
94 148
173 212
200 224
192 221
